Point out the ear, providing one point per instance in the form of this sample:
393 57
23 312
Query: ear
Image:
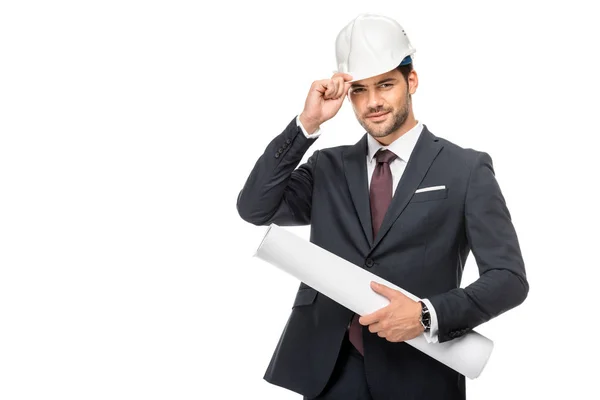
413 82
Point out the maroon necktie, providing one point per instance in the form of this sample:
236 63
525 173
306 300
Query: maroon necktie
380 195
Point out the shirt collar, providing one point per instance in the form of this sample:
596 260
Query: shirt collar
402 147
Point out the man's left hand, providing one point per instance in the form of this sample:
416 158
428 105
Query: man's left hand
399 320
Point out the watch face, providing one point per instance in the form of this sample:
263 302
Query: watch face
425 317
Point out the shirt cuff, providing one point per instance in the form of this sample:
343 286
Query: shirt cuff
313 135
432 335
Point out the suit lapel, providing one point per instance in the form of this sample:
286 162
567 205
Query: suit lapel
355 169
425 151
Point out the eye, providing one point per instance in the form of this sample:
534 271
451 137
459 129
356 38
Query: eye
386 85
357 90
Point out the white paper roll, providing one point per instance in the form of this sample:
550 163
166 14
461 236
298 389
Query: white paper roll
323 271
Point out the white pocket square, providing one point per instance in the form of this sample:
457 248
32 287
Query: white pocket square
428 189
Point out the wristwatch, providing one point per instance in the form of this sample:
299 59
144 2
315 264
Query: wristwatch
425 317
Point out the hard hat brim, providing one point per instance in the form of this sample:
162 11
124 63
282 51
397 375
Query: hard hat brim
366 75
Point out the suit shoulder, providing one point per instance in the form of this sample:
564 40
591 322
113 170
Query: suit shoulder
466 154
334 151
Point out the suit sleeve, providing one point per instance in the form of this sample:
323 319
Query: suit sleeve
277 190
502 282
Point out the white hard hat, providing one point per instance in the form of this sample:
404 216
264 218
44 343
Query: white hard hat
371 45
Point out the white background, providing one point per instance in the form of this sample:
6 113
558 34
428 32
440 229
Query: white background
128 129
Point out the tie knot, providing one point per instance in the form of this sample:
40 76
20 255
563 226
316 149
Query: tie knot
385 156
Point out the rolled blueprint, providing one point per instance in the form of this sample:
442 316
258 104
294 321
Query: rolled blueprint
323 271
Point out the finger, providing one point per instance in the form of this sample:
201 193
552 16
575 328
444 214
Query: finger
334 89
321 86
340 87
347 88
384 290
336 84
346 77
371 318
329 92
376 327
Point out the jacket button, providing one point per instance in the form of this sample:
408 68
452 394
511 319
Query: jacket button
369 262
277 155
288 141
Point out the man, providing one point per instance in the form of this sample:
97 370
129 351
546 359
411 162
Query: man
403 203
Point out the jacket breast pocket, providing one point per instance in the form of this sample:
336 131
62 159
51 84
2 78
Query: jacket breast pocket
430 195
304 297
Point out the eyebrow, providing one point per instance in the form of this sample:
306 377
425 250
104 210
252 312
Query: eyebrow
356 85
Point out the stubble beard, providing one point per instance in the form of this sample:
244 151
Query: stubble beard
384 129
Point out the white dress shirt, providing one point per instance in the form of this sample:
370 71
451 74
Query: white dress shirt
402 147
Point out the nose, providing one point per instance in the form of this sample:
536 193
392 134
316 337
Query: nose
375 101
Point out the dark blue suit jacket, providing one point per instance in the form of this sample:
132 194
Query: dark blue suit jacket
422 247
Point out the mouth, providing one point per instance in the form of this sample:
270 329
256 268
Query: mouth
378 116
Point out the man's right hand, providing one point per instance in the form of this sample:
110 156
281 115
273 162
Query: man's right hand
324 100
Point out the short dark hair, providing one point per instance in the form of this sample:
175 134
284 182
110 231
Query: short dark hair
405 70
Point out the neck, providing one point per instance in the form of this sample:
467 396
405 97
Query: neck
410 123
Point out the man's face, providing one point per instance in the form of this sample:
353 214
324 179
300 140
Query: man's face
386 94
